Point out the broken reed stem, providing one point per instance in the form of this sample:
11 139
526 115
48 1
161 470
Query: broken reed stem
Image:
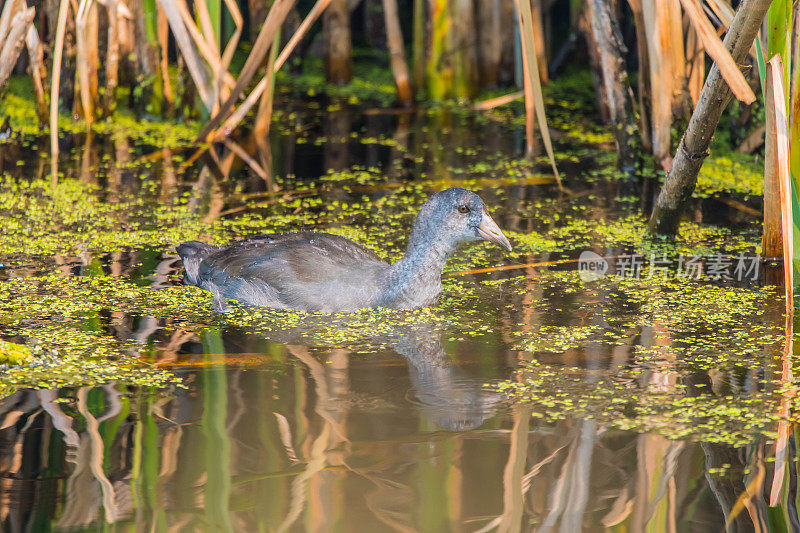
491 103
693 148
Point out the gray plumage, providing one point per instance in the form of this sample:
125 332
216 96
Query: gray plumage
313 271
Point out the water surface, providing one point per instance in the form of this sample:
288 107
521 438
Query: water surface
380 421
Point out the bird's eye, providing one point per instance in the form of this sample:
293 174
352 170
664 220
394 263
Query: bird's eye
463 209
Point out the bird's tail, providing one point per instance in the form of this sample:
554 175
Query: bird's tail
192 253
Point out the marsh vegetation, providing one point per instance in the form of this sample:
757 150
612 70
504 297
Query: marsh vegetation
657 396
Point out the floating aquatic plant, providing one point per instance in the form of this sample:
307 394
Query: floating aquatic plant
662 402
14 354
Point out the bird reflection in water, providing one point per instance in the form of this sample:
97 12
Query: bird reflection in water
444 394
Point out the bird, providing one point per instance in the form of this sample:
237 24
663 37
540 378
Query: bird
321 272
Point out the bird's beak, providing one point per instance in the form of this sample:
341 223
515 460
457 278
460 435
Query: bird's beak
489 230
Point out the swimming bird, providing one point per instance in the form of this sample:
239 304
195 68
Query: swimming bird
312 271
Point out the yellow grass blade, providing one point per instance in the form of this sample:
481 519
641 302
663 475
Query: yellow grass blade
206 45
491 103
715 48
240 112
723 11
244 156
312 16
233 42
533 88
277 14
188 48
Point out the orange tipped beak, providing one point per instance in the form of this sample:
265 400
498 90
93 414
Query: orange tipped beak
489 230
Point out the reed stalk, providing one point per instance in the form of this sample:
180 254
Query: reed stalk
336 32
112 58
15 20
239 113
611 51
163 46
539 40
264 115
498 101
794 109
656 21
58 51
781 216
302 30
644 73
439 71
711 42
534 100
189 50
86 27
397 55
775 105
38 72
418 43
779 26
777 241
693 148
678 57
277 14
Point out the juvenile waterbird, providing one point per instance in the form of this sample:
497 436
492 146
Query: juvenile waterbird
311 271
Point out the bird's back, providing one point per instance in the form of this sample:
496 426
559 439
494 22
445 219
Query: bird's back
301 270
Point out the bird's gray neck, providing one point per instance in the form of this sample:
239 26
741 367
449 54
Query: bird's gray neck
415 280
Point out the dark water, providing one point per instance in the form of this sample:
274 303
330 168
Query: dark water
266 433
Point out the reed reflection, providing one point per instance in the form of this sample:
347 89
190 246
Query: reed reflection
185 456
274 433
